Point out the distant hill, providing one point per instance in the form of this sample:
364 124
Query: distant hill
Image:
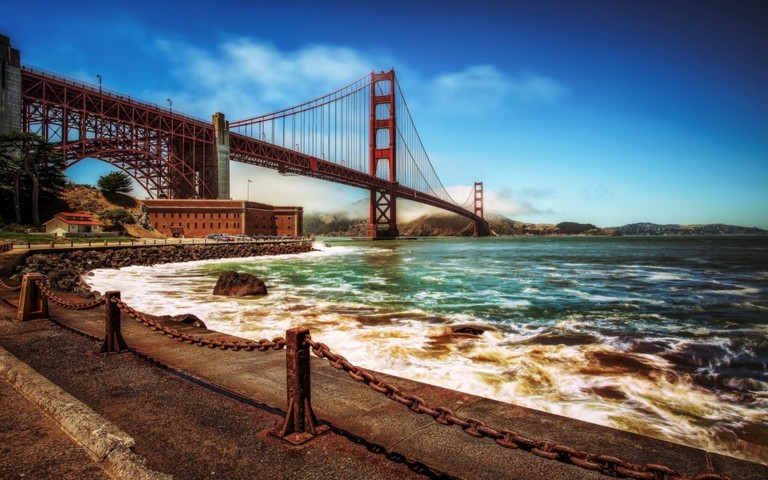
675 229
335 225
340 225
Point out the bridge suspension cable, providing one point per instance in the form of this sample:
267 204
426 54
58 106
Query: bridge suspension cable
336 128
415 168
333 127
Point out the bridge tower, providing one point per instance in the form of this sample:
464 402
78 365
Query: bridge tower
478 193
483 228
382 156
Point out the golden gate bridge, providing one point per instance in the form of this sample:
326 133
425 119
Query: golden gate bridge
361 135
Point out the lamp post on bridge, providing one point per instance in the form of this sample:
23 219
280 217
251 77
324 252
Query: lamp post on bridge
170 105
99 77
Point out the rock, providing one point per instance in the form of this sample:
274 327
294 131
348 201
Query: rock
187 318
234 284
469 330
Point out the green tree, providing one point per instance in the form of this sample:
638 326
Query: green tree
117 218
115 182
30 167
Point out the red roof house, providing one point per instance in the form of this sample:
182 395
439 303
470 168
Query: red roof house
74 224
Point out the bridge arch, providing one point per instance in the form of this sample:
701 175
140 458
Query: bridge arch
159 174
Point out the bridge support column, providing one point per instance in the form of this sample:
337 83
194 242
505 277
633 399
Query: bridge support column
383 224
221 130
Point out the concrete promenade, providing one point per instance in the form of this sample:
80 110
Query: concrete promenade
180 426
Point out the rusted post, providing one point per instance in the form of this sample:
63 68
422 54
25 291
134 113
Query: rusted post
32 303
113 339
300 423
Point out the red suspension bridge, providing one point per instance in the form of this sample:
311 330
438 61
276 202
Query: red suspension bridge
361 135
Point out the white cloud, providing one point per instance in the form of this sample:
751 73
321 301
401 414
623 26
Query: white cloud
270 187
529 87
508 203
479 89
503 202
246 77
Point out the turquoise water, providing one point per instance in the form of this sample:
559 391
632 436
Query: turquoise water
666 337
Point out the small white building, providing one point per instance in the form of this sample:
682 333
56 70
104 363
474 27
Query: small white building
73 224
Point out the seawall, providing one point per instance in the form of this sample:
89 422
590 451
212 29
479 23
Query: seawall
64 267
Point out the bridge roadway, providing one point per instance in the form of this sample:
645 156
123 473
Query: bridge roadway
184 429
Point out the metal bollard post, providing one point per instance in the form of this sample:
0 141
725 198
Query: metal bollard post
300 423
32 303
113 339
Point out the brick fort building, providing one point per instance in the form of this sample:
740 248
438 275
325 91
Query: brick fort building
197 218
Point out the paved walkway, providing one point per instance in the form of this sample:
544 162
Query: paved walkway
33 445
191 432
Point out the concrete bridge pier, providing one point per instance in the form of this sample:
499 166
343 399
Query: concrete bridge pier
221 131
10 87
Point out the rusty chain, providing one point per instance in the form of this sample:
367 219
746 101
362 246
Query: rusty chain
67 304
8 304
249 345
9 288
605 464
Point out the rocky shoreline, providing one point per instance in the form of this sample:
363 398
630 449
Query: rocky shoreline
64 271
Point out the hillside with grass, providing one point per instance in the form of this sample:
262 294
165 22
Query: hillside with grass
85 199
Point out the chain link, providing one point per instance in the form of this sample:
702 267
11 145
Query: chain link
9 288
66 304
248 345
605 464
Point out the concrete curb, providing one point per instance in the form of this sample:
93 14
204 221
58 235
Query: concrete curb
105 443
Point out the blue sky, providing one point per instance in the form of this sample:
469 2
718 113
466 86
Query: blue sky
608 112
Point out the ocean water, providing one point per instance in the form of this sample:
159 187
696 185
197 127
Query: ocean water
662 336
